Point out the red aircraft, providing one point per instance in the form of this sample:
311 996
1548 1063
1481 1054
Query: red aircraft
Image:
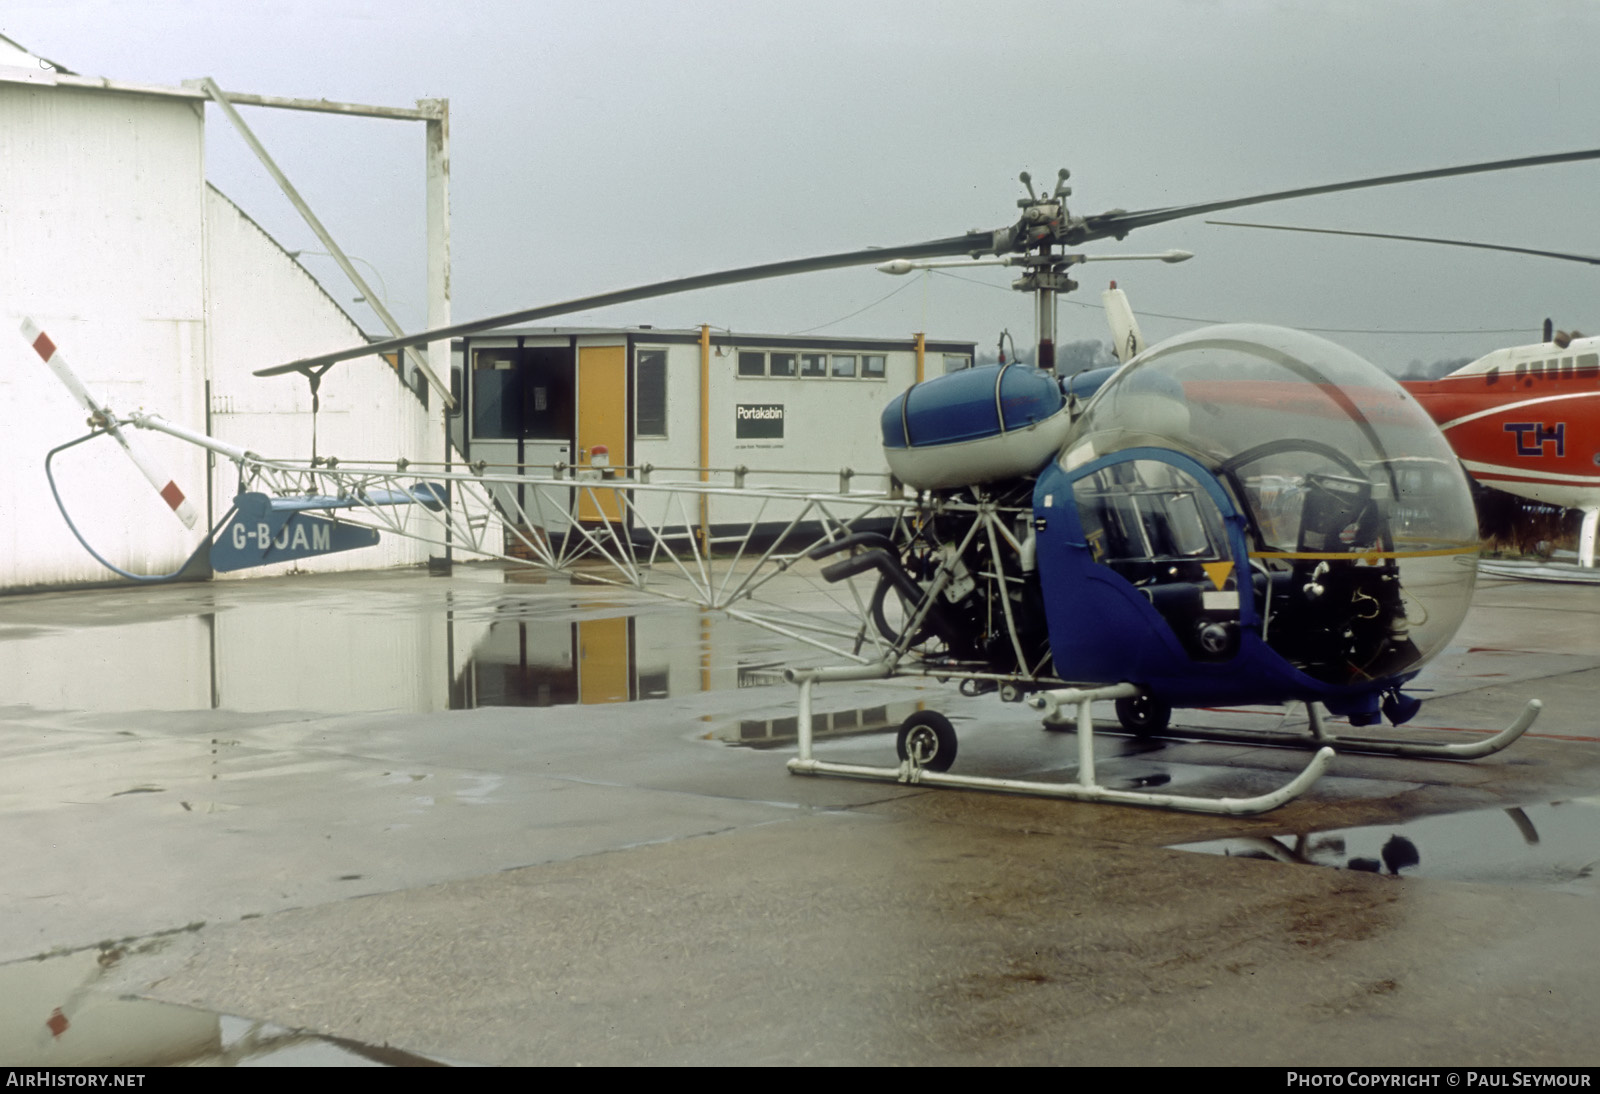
1526 420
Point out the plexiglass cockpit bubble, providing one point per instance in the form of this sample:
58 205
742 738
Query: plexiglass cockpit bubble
1359 528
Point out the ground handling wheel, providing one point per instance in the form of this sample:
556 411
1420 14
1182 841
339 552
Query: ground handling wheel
1143 714
927 739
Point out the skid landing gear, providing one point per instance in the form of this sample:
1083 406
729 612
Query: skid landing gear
1317 736
923 739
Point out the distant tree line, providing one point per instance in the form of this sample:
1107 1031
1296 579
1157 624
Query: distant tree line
1416 370
1071 357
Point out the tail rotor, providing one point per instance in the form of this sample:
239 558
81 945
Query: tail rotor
102 418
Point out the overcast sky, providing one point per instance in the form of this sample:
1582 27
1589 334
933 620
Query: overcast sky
598 145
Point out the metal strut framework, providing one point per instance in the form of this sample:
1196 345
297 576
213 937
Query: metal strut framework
659 540
660 544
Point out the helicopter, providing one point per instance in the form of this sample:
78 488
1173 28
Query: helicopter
1519 417
1240 515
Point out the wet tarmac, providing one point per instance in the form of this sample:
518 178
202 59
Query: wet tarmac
393 818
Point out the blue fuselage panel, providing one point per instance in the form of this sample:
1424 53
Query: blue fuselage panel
1105 630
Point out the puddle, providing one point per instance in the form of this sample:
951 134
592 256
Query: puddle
61 1011
390 643
618 659
1554 846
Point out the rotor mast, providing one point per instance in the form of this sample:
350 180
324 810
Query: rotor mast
1046 276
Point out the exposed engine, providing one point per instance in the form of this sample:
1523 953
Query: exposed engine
958 583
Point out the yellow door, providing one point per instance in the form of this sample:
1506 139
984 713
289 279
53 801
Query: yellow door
604 666
602 421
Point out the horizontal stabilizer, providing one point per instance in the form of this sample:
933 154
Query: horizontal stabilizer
430 495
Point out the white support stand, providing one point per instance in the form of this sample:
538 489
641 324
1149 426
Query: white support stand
1586 537
1086 788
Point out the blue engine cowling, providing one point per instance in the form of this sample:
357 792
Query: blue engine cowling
975 426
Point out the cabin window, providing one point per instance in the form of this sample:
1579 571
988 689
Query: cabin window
1141 516
1566 368
495 410
1522 369
1492 376
1588 366
650 393
1537 370
844 364
752 363
813 364
782 364
1155 526
873 366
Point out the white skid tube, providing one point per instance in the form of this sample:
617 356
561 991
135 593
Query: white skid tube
1387 746
1318 736
104 419
1086 788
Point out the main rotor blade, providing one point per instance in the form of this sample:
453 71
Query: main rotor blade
957 245
1563 255
1120 223
1117 223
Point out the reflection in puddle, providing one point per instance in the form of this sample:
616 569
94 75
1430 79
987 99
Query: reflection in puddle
57 1012
1546 846
528 663
393 644
618 659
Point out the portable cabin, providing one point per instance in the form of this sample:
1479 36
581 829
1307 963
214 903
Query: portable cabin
787 411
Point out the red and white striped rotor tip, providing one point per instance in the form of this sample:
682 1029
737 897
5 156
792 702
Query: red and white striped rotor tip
164 485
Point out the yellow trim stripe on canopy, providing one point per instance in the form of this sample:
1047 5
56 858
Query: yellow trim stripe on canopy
1350 556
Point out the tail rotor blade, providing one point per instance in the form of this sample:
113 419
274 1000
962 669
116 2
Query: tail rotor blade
164 484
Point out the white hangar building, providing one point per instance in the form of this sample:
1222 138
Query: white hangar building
162 294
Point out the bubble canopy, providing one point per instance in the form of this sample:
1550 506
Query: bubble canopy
1335 469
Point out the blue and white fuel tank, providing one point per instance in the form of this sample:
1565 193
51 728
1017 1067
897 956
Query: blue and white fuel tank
975 426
